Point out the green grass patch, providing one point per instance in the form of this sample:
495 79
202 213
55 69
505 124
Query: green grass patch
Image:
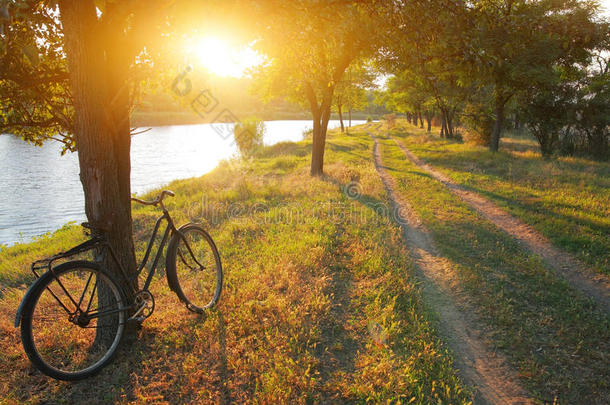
557 340
319 302
565 198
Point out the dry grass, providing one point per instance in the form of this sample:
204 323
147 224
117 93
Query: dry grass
556 339
319 303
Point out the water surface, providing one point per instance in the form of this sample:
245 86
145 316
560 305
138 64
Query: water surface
40 189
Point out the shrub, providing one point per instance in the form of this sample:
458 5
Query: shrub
390 120
369 119
249 135
308 133
479 123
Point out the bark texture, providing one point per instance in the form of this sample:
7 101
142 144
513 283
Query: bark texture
98 67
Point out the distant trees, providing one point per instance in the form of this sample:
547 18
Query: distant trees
351 90
423 52
487 60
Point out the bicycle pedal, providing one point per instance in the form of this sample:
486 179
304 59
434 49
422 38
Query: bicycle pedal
137 319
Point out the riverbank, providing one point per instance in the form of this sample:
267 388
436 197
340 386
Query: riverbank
164 118
39 203
317 306
325 299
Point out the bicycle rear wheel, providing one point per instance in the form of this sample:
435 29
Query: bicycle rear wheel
73 321
194 270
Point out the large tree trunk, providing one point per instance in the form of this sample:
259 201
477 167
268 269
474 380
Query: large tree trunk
496 132
421 120
321 114
317 149
320 127
98 68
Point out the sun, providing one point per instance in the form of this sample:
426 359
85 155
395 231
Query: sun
220 58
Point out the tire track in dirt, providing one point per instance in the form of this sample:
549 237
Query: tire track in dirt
577 274
495 382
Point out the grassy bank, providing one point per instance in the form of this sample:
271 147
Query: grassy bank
556 339
319 304
565 198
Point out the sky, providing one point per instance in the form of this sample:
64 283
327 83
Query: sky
606 5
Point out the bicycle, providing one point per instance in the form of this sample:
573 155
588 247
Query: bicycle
73 316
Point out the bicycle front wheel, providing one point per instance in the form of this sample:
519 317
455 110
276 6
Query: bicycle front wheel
194 270
73 321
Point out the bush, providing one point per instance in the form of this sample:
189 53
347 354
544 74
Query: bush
249 135
369 119
390 120
479 122
308 133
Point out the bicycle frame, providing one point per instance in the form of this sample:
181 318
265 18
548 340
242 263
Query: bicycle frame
100 242
170 229
82 288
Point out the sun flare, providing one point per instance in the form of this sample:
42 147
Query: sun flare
222 59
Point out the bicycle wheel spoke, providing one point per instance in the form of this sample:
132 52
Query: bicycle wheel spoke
92 295
196 268
80 301
67 344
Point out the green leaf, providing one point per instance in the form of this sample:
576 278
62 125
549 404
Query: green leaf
31 52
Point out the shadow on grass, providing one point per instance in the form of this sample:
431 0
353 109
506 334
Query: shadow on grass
377 206
338 348
541 209
144 361
534 317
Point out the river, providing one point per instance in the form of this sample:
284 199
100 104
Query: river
40 189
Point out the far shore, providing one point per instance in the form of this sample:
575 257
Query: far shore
166 118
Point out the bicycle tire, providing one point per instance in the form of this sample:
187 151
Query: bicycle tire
198 289
74 349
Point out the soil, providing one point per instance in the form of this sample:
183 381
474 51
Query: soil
493 380
577 274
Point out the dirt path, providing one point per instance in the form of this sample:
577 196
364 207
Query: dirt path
577 274
494 381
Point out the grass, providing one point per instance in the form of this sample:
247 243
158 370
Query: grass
565 198
15 261
557 340
319 303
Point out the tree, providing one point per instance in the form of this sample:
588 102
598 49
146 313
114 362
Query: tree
514 45
309 45
71 72
351 90
482 54
422 51
548 111
571 113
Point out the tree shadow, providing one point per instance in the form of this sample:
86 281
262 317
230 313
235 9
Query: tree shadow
139 365
338 347
540 209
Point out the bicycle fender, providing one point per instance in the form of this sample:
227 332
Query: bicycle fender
26 299
174 240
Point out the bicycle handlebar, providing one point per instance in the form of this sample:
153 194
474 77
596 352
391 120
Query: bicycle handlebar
157 200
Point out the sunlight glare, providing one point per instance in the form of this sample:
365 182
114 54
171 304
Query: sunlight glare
221 59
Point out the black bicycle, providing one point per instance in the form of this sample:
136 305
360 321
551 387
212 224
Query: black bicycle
73 316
